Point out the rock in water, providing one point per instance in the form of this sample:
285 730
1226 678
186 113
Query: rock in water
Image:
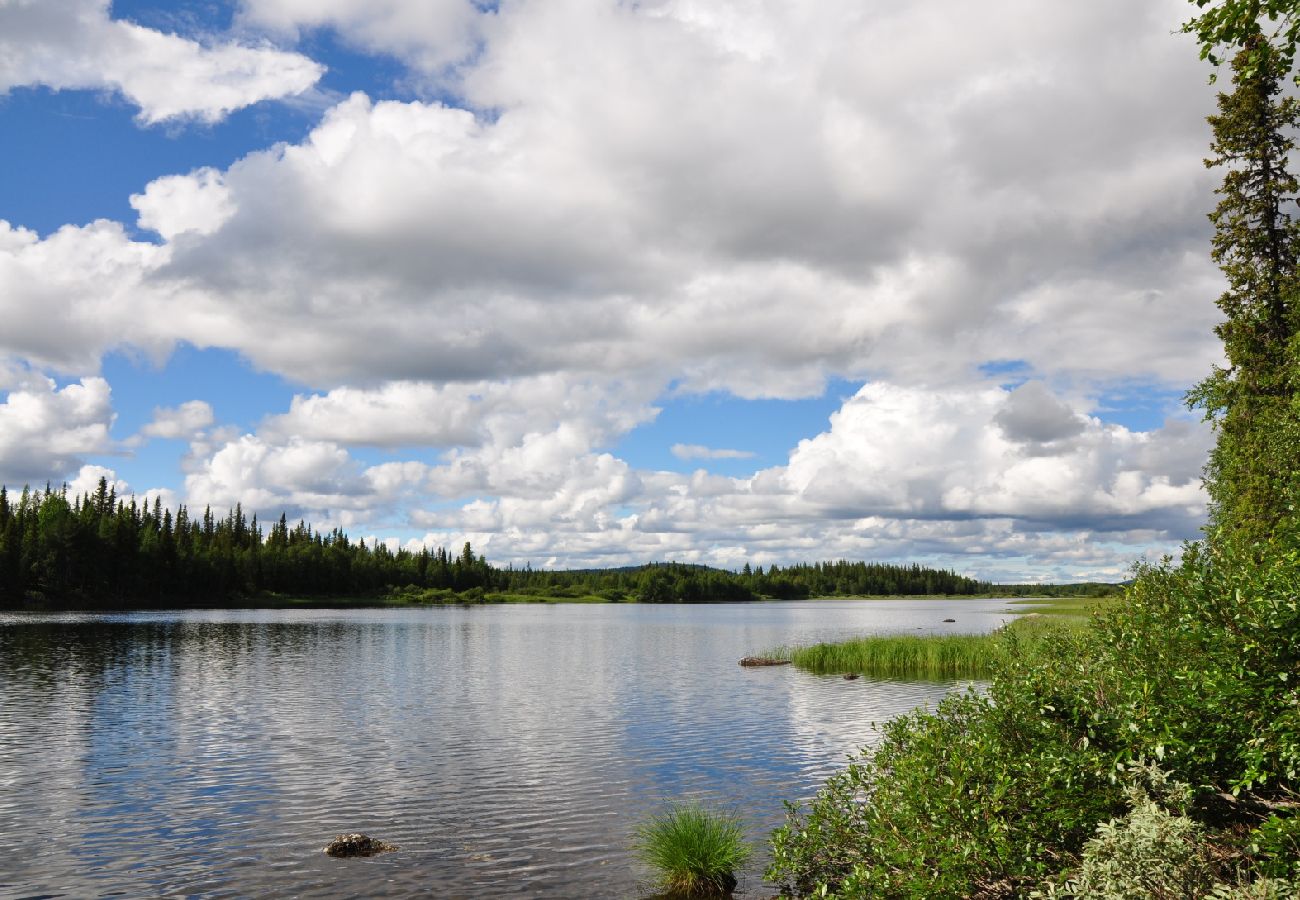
357 844
763 661
950 620
851 676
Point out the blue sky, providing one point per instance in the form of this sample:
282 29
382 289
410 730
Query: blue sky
605 283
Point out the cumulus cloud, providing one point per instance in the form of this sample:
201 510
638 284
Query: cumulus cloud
70 44
86 481
173 205
900 473
297 476
635 199
427 35
699 451
609 218
68 298
46 431
615 222
180 422
419 413
1033 415
894 450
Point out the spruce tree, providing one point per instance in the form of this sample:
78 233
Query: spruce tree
1252 403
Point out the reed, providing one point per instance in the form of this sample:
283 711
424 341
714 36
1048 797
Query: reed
939 657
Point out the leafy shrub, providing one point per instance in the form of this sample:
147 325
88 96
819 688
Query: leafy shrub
975 797
695 851
1196 668
1263 889
1155 851
1275 845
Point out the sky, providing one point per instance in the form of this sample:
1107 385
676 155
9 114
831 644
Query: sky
596 283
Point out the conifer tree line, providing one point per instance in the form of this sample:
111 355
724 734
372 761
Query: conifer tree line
102 550
110 551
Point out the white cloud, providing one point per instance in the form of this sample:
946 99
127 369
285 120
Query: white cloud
69 297
459 414
181 422
197 203
71 44
698 451
901 473
671 197
429 34
927 454
293 478
86 481
46 431
724 199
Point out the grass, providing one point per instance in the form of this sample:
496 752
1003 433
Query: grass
939 657
1077 607
694 850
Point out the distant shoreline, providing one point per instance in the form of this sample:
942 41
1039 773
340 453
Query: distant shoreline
272 601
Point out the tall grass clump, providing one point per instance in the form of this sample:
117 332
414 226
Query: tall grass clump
695 850
903 656
936 656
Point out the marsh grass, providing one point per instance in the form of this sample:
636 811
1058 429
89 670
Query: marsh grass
695 850
939 657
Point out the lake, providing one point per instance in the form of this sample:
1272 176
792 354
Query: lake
508 750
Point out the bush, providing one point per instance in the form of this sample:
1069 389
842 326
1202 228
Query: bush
979 797
1155 852
1198 668
694 850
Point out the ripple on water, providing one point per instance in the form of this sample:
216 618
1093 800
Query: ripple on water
506 750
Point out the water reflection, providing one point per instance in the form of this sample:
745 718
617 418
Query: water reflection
507 750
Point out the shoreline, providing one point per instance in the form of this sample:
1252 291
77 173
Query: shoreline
1066 604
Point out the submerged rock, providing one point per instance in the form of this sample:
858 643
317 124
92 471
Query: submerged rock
763 661
950 620
357 844
851 676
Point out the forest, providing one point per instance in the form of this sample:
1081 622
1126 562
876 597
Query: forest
99 550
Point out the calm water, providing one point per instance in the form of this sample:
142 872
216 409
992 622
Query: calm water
509 750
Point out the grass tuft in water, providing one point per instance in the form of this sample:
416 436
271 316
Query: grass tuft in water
939 657
694 850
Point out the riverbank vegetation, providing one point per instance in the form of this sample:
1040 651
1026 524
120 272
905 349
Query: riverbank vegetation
1155 752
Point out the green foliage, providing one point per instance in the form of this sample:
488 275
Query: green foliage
1275 844
1227 25
1196 668
99 550
673 583
103 551
694 850
1159 851
1261 889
